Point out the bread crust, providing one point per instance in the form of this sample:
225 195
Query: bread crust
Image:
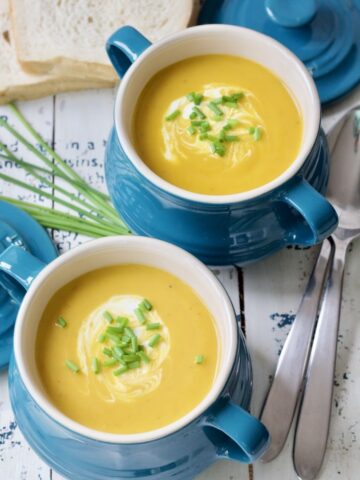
65 65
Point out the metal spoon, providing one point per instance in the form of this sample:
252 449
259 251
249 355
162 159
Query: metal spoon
281 401
315 410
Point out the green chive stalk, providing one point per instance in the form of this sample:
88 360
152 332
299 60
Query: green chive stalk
87 192
97 217
47 182
69 171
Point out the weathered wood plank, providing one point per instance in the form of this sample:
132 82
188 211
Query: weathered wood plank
273 290
82 124
40 114
17 460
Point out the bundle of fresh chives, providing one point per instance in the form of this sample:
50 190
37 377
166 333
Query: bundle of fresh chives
92 213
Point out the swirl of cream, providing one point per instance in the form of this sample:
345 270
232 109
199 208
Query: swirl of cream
178 141
133 383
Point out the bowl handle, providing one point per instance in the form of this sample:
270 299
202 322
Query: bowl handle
21 266
319 218
236 434
124 47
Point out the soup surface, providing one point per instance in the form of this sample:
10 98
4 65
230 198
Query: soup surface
217 124
126 349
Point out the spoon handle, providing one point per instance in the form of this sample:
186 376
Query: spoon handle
279 407
314 416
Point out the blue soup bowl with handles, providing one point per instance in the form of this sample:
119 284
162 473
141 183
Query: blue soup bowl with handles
218 427
218 229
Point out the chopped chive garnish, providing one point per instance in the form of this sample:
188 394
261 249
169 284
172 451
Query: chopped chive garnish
120 371
196 123
145 305
135 364
61 322
199 112
140 315
72 366
131 357
192 115
204 136
205 127
215 109
122 321
218 148
230 104
107 352
231 98
134 344
172 115
126 339
231 123
144 357
102 338
117 357
110 362
115 330
217 118
191 130
195 97
95 364
251 130
236 96
217 101
118 351
257 134
114 338
231 138
199 359
153 326
154 340
129 332
107 315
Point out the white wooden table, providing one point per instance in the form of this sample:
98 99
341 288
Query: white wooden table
268 294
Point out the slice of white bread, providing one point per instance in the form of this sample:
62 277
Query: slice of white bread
15 84
68 36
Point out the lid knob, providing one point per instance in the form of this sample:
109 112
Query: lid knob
291 13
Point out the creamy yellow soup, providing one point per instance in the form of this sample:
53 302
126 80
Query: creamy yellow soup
250 137
84 373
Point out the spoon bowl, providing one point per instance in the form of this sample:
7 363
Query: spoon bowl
316 404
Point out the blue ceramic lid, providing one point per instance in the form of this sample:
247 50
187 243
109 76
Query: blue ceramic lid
37 241
324 34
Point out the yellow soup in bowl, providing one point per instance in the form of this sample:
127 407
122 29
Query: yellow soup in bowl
216 125
126 349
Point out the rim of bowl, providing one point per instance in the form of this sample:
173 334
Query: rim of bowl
158 247
305 149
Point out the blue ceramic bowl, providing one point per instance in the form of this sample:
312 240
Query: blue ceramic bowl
219 427
222 229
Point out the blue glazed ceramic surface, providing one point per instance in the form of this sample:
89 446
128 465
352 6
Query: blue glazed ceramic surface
217 234
181 455
39 243
324 34
222 429
218 230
